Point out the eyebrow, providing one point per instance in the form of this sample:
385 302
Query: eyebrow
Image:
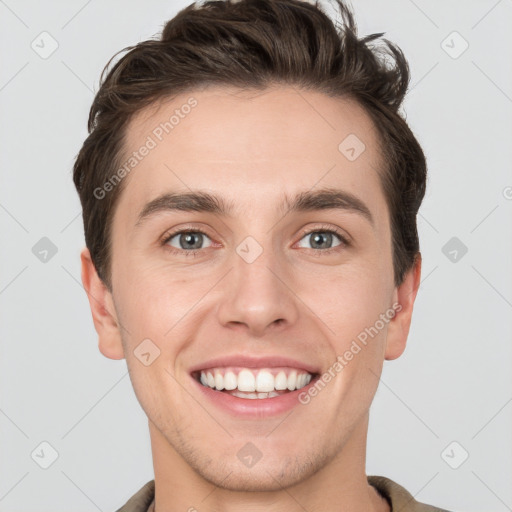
201 201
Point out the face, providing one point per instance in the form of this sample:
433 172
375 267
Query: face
274 273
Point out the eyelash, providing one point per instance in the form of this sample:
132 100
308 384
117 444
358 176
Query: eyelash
173 250
322 229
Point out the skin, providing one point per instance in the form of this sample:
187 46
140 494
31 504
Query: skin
293 300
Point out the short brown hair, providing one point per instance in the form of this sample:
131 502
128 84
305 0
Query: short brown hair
253 44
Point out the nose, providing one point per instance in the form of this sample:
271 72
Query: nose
258 297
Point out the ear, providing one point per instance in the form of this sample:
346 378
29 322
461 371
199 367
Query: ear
102 309
404 295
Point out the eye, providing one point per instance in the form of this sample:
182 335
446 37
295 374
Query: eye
188 240
324 239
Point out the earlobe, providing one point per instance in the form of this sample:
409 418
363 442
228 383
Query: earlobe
398 327
102 309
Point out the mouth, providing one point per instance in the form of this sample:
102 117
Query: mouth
254 383
254 387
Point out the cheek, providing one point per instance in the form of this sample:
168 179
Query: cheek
348 302
156 320
155 299
159 393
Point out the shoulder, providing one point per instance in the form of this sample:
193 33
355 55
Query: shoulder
398 497
141 500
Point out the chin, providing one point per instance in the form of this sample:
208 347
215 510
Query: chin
264 476
252 480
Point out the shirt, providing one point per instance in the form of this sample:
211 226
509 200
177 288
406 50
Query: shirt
398 498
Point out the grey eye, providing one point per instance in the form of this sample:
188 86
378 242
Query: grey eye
322 239
188 240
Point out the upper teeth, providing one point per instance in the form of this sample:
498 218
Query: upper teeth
254 380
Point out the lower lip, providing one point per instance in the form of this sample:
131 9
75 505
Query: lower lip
256 407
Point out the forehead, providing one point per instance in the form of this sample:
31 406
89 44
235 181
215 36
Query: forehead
251 144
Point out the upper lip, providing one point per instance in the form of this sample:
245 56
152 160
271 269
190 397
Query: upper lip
246 361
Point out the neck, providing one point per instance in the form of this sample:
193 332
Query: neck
340 485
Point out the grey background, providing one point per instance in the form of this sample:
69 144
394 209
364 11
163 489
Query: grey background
453 381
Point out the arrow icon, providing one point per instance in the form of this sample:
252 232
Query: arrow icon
454 455
351 147
44 455
44 250
40 45
454 45
249 455
249 249
454 249
147 352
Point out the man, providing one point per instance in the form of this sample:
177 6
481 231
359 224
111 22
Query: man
249 196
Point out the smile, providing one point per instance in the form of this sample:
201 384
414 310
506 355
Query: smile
251 383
